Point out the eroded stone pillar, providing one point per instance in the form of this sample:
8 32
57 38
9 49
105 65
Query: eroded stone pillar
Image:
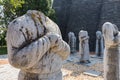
36 47
72 42
112 51
99 44
84 46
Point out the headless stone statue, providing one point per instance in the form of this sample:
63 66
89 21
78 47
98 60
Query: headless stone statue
99 44
36 47
72 42
112 51
84 46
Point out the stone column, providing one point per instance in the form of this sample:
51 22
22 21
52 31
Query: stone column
72 42
84 46
99 44
36 47
112 51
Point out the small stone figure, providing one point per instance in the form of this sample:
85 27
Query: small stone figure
112 51
99 44
72 42
36 47
84 46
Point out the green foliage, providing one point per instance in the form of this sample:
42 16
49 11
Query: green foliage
2 36
15 8
17 3
41 5
9 10
3 50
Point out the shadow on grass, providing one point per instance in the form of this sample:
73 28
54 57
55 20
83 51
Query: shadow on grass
3 50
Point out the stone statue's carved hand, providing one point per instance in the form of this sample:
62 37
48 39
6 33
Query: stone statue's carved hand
53 37
59 46
84 38
87 37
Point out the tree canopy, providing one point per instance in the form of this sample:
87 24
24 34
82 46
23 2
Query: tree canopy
15 8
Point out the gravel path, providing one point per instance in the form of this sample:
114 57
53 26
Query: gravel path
8 72
3 56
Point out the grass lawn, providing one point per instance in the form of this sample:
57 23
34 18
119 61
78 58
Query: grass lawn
3 50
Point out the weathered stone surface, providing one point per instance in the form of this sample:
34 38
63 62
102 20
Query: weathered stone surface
84 46
92 73
36 47
112 52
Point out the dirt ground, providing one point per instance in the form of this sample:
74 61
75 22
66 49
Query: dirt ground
74 71
3 62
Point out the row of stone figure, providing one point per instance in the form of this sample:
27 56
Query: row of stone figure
84 44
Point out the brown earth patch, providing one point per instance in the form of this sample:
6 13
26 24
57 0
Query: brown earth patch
3 62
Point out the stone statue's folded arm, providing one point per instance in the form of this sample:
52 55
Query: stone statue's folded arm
85 38
28 55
